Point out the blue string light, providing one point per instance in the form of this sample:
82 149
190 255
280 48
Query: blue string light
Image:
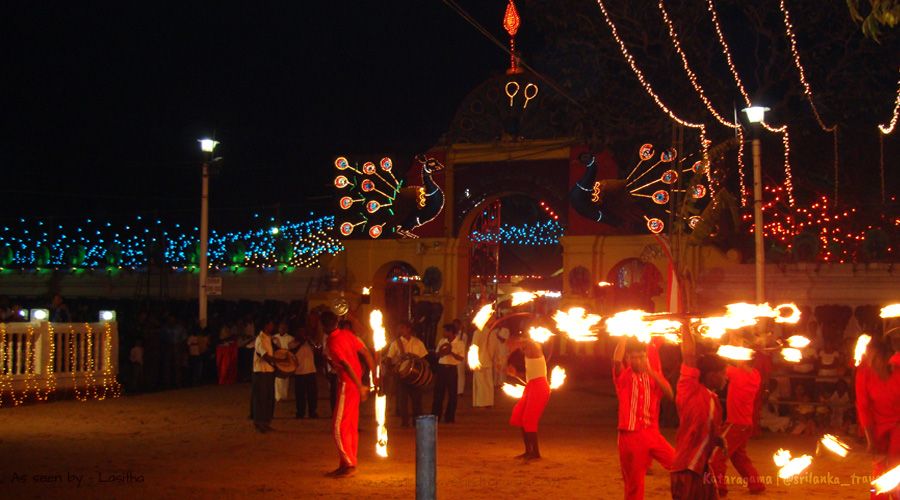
537 234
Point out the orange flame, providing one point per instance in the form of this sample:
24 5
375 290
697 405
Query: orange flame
887 481
860 350
576 324
735 352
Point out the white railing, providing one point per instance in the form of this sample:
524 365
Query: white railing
36 359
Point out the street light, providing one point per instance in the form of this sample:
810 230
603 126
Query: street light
755 115
207 146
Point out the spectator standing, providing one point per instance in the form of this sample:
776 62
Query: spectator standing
305 391
262 392
282 340
59 311
451 351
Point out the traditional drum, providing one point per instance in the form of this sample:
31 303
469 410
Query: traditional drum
285 363
414 371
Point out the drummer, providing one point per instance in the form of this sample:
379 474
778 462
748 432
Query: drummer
406 346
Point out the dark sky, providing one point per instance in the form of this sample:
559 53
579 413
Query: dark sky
105 100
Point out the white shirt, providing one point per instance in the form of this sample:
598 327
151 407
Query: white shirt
282 340
412 346
262 346
457 346
306 363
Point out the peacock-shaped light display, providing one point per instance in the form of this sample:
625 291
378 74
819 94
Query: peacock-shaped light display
373 200
609 200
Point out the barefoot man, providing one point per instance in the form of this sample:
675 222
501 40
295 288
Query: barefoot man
344 349
527 412
639 388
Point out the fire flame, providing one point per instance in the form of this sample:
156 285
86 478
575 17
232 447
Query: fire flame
519 298
484 314
798 341
890 311
513 391
835 445
472 358
790 467
576 324
379 340
791 355
735 352
887 481
557 377
861 344
382 435
539 334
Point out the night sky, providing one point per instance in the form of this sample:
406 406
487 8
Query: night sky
107 99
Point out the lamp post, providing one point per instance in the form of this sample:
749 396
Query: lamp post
207 146
755 115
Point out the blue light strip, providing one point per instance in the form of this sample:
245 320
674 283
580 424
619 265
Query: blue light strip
537 234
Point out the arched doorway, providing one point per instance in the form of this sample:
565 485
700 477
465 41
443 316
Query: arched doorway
634 284
396 283
508 241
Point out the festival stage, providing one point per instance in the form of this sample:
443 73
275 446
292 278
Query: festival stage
198 443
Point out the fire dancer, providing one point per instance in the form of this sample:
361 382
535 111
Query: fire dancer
639 387
743 386
877 401
701 418
527 412
344 349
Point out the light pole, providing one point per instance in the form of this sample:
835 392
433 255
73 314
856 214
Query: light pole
207 146
755 115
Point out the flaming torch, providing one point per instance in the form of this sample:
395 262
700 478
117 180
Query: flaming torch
798 341
791 355
557 377
576 324
888 481
513 391
735 352
379 340
891 311
519 298
484 314
539 334
790 467
472 358
641 325
861 344
835 445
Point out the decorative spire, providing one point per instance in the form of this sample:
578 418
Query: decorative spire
511 25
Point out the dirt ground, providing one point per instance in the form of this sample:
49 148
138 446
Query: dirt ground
198 443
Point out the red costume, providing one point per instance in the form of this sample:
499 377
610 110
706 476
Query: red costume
878 407
527 412
701 419
639 439
743 386
343 345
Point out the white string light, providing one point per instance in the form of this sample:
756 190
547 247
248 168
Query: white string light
888 127
673 35
783 129
704 143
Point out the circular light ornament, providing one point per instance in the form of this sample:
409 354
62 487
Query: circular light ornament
655 225
386 164
669 177
346 228
660 197
341 163
368 168
646 152
668 155
341 182
698 191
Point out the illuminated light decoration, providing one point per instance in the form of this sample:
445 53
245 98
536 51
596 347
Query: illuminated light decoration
346 202
376 231
646 152
788 466
698 191
700 167
514 391
798 341
539 334
341 163
701 93
40 314
835 445
862 343
888 127
483 316
537 234
379 342
372 206
704 142
693 221
576 324
783 129
669 177
341 182
734 352
366 290
369 168
557 377
890 311
519 298
472 358
107 315
791 355
668 156
655 225
660 197
511 22
888 481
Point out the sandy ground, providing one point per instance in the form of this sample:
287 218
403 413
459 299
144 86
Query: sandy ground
199 443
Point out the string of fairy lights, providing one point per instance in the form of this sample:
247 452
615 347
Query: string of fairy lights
701 93
536 234
704 142
36 244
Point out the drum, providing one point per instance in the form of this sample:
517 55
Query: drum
285 363
414 371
